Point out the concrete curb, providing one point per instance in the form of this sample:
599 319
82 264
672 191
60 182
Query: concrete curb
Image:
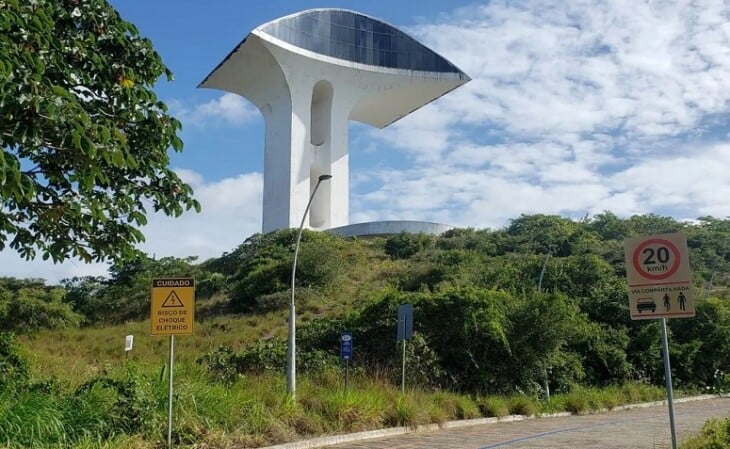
393 431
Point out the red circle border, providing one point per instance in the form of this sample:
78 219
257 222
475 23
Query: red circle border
657 277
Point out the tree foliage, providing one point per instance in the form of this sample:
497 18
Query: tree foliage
126 294
264 265
483 321
84 138
27 307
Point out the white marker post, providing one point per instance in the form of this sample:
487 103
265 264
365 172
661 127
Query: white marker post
128 344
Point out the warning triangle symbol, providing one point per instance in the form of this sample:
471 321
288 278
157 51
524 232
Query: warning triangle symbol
173 300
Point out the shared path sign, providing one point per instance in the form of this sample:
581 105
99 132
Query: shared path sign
346 345
173 306
660 280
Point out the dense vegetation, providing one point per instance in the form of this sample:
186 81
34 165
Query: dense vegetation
714 435
539 304
84 140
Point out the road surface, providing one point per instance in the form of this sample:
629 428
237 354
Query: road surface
625 429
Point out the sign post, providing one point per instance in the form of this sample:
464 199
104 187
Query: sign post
405 331
346 354
660 287
172 313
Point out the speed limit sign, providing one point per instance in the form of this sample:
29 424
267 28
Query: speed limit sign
660 280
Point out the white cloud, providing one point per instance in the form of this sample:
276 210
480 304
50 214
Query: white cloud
553 66
574 107
229 108
231 212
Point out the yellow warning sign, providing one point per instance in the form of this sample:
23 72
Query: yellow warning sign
173 306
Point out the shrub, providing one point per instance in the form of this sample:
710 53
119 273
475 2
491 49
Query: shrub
351 412
220 363
494 406
466 408
209 285
715 434
124 405
521 405
576 401
31 309
405 245
404 411
13 367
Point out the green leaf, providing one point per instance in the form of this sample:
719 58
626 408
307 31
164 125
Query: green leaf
60 91
117 158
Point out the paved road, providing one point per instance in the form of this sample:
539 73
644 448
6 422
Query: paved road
627 429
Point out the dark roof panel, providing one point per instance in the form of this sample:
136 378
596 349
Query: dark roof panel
358 38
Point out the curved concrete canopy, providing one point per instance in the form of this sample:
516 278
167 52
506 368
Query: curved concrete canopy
348 40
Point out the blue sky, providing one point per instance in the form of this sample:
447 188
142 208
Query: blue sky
574 108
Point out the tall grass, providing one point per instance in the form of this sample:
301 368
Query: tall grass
715 434
249 411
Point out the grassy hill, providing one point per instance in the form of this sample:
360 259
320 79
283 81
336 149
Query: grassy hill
488 341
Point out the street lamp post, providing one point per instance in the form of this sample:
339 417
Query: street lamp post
291 365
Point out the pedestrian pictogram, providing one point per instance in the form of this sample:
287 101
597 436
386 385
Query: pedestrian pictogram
657 268
682 301
173 300
173 306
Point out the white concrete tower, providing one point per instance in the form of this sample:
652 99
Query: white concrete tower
309 73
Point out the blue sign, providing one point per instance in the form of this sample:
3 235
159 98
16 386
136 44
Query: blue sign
405 322
346 345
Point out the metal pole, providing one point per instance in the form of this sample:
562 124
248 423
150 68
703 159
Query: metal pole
347 374
668 378
539 289
291 362
169 392
403 373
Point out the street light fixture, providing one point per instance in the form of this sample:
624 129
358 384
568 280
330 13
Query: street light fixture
291 365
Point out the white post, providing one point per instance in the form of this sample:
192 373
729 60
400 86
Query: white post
169 392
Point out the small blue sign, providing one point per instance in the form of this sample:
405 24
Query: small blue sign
346 346
405 322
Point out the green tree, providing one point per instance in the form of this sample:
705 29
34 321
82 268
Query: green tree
86 296
265 264
406 244
31 309
84 138
543 234
127 293
701 345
